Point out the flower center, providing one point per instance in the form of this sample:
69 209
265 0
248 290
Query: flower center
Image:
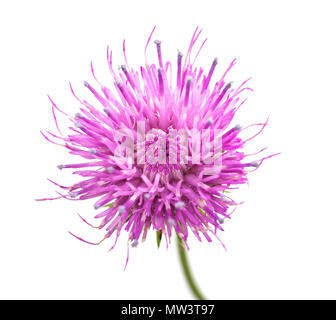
163 156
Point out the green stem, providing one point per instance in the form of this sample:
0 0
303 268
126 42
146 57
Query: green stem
187 271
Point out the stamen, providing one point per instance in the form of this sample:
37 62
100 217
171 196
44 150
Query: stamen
208 123
124 69
78 125
253 164
107 111
110 169
135 243
220 97
118 83
179 63
187 92
171 222
73 194
88 242
224 197
123 91
208 78
158 47
121 209
161 87
91 225
179 205
220 220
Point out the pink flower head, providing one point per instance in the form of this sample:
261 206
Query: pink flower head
160 150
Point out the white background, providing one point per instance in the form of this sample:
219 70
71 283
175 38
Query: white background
280 243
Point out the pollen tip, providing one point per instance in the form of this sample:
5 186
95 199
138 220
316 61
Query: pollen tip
224 197
146 195
237 127
60 166
86 84
157 42
189 79
121 209
78 125
179 53
93 150
220 220
110 169
97 206
210 121
73 194
179 205
171 222
135 243
78 115
118 82
253 164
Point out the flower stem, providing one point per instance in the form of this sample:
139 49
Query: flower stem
187 271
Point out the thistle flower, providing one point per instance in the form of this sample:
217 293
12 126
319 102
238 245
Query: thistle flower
145 188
